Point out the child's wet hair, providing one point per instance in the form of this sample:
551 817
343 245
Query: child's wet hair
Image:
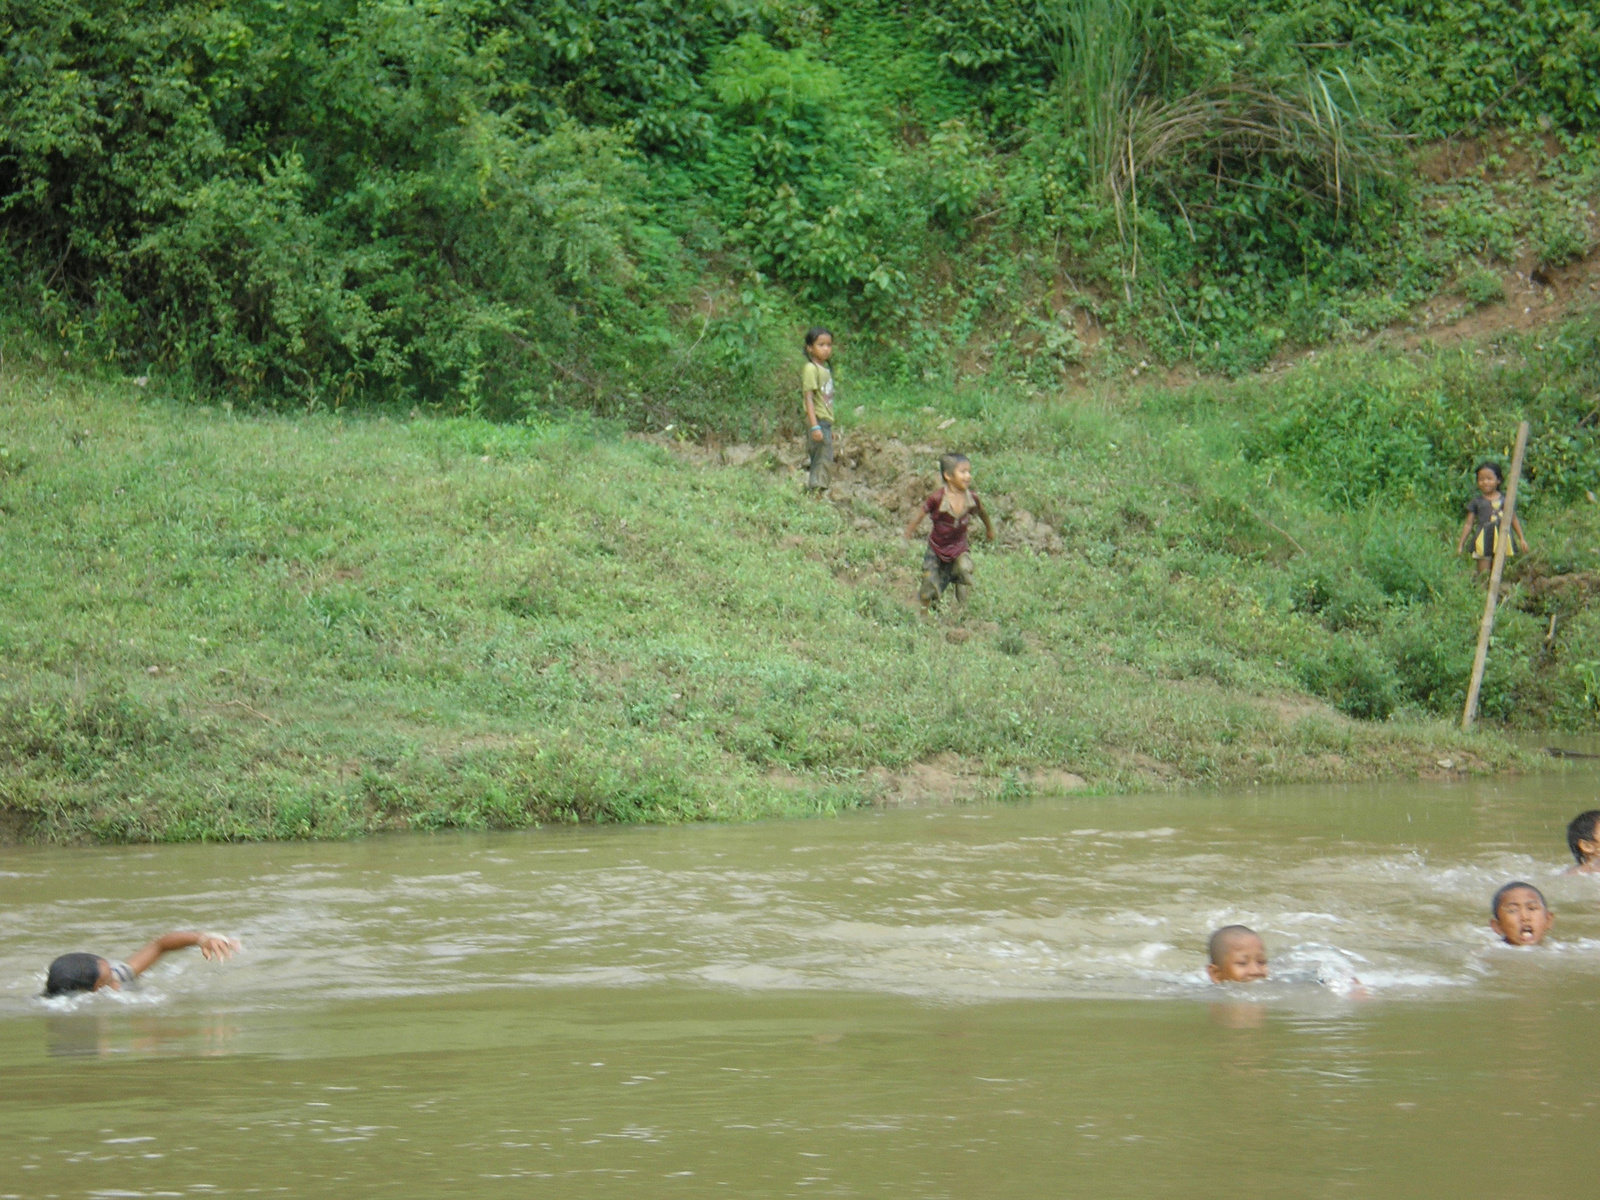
812 334
72 973
1487 465
1581 829
1514 886
1225 937
949 462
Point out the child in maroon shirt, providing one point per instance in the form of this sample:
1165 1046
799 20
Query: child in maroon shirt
951 508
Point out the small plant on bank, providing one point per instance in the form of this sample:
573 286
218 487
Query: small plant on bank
1483 287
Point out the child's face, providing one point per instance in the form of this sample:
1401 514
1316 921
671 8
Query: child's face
960 477
1243 961
822 348
1488 482
1589 847
106 979
1522 919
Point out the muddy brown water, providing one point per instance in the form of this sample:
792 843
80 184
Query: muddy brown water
983 1001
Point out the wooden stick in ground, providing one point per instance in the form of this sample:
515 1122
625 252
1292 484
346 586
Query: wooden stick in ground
1502 542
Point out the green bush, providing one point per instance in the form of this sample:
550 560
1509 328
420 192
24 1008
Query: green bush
1366 427
1410 562
308 202
1353 678
1432 658
1483 287
1562 235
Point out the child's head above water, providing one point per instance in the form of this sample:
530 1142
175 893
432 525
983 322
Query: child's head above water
76 973
1519 914
1582 839
1238 955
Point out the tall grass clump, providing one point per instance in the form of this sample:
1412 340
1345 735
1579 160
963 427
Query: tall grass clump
1101 50
1146 123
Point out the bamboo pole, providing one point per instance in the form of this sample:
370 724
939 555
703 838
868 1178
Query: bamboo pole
1502 542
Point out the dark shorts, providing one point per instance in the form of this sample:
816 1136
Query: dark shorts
938 574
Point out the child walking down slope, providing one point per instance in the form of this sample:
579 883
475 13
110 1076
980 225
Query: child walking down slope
1483 519
947 560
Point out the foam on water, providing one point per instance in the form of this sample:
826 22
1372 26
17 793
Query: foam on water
1021 902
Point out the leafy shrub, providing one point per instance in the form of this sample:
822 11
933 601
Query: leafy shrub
1339 597
373 214
1562 235
998 44
794 178
1410 563
1455 61
1363 426
1352 678
1483 287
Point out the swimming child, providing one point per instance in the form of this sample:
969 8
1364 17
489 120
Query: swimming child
947 560
816 389
1583 839
1520 915
1238 955
90 973
1482 524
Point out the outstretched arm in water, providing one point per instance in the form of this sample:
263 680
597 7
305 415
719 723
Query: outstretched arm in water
211 946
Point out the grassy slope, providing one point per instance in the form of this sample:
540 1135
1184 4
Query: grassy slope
227 627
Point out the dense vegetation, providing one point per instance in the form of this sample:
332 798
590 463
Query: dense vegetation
496 205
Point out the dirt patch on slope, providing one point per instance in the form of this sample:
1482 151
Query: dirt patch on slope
1049 782
946 779
1535 296
943 781
1536 293
880 482
1547 594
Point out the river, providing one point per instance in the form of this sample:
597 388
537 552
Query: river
983 1001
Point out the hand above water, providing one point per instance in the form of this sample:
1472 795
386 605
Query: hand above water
212 946
217 948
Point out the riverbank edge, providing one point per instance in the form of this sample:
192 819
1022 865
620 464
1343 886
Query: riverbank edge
1437 753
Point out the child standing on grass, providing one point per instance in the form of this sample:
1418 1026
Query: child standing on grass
947 560
1483 518
816 388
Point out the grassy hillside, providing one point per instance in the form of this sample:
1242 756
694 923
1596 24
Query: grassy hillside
223 625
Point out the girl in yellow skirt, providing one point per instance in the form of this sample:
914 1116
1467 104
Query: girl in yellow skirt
1482 525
